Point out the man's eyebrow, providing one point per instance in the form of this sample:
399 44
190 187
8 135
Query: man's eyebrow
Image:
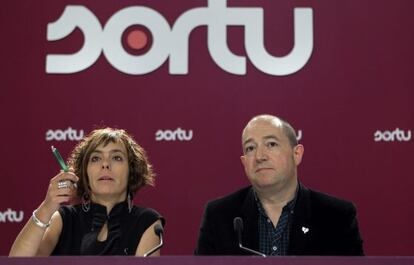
247 141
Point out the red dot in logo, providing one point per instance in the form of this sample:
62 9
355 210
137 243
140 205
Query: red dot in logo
137 39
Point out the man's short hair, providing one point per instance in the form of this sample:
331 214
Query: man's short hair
287 129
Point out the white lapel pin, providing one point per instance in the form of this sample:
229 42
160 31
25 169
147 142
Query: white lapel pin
305 229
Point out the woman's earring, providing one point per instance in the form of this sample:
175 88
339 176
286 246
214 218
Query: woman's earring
86 202
129 202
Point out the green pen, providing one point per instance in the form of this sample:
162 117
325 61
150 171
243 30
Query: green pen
61 162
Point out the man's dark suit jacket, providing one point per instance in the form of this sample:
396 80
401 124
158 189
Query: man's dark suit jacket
330 224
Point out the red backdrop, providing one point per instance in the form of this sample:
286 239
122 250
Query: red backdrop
352 101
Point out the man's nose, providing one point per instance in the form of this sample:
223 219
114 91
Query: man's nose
261 154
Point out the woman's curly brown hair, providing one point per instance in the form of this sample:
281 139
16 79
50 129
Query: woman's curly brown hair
140 170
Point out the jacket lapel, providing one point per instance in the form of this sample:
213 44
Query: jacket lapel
250 220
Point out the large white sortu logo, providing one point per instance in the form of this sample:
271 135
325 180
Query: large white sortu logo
172 42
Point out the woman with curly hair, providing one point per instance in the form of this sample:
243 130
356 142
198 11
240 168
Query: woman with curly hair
107 168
